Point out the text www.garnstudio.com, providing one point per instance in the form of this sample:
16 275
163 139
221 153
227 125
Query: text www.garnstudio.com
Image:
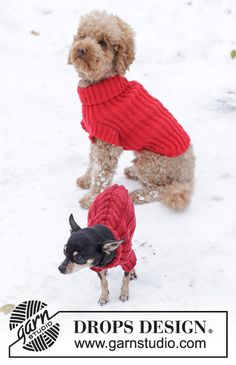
145 337
146 343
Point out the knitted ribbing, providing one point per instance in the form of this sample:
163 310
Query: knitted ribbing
123 113
114 209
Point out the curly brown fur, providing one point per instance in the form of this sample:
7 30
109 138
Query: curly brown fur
172 182
107 45
103 164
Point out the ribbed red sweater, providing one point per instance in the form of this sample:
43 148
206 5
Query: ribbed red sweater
123 113
114 209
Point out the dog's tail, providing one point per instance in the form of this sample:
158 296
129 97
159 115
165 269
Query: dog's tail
176 195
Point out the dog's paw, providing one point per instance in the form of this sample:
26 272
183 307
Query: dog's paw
129 173
124 296
137 197
103 300
86 201
83 182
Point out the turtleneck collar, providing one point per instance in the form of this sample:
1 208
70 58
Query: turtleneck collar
103 91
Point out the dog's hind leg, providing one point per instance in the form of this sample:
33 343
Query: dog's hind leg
145 195
165 179
85 181
130 174
176 195
104 298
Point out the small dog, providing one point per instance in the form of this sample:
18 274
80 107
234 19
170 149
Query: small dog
106 242
121 115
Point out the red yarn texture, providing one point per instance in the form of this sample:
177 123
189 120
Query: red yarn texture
114 209
123 113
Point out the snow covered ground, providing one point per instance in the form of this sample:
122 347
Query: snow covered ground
186 261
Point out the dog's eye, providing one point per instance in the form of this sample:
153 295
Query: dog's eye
78 259
102 43
64 250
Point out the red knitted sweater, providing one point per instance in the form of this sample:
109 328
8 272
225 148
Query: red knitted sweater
123 113
114 209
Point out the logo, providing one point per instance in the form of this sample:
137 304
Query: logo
34 326
117 334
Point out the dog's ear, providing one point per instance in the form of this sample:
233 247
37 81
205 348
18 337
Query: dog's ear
124 49
109 246
74 226
69 62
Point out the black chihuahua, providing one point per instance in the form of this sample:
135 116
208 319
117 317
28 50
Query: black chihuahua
94 247
106 242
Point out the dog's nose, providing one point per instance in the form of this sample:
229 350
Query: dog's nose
81 52
62 269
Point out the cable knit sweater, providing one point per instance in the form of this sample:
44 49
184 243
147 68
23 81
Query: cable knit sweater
114 209
123 113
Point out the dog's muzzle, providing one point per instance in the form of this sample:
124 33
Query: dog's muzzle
63 267
81 52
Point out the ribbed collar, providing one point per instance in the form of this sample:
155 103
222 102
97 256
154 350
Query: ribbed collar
103 91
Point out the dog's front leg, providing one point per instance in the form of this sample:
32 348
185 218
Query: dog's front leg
85 181
104 298
105 157
124 294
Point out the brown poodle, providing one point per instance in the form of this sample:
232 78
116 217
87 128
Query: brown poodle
103 48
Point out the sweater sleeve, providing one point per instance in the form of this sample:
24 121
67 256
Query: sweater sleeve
106 134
